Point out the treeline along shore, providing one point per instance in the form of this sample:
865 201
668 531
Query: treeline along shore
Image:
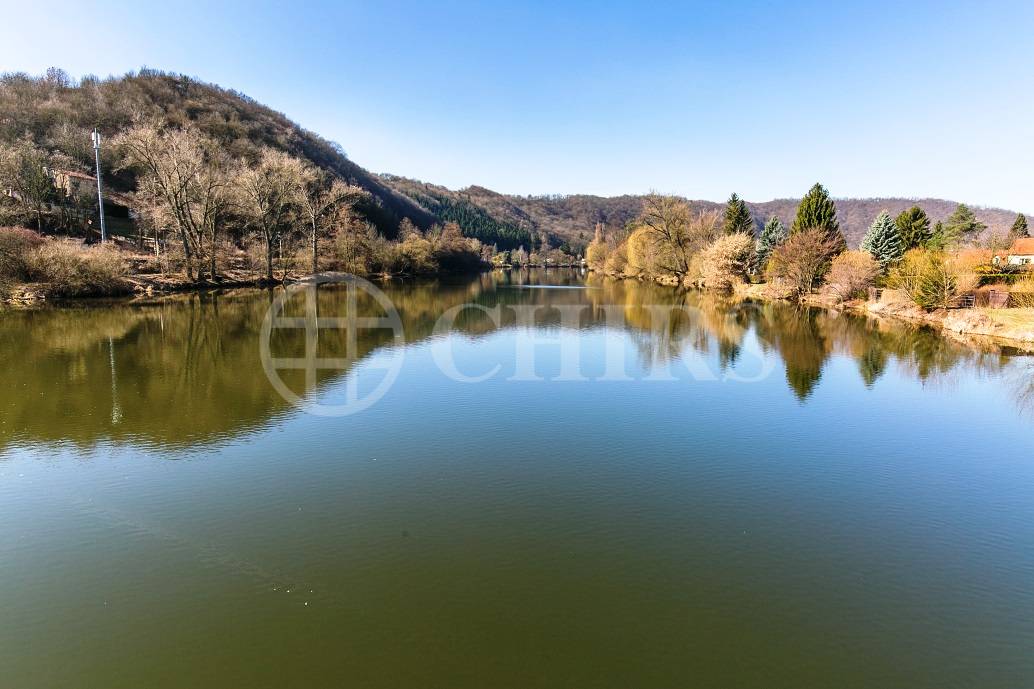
942 273
203 187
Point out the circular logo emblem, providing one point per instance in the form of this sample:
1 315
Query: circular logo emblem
376 313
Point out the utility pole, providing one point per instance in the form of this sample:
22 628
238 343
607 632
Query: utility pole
100 195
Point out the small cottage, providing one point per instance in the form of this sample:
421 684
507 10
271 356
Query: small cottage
1021 253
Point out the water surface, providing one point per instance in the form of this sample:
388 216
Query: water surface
776 497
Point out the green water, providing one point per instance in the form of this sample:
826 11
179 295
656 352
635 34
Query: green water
768 497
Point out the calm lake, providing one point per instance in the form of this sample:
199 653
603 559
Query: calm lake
738 495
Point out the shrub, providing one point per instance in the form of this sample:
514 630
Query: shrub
617 261
802 260
78 271
725 261
17 246
414 255
596 255
353 250
852 273
932 279
641 253
1022 293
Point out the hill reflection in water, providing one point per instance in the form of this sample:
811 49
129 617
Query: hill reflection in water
186 369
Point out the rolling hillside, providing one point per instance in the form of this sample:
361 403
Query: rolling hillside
572 218
59 114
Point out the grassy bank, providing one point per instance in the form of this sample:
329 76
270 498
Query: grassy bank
36 268
1002 323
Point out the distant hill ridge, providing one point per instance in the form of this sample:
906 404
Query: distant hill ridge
573 217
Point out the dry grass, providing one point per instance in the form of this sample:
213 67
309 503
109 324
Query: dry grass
72 270
1013 318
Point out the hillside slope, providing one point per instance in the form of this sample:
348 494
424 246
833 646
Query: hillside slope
59 115
572 218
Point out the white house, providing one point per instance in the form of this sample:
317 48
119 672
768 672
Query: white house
1021 253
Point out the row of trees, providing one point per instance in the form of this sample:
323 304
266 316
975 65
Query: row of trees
672 243
57 113
200 207
188 184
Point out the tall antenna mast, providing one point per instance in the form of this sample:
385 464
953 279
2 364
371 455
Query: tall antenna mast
100 194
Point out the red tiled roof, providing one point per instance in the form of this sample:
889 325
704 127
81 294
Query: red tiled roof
74 173
1022 247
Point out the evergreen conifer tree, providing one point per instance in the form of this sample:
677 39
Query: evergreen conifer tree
938 240
817 211
1019 228
773 234
737 217
913 228
882 241
962 224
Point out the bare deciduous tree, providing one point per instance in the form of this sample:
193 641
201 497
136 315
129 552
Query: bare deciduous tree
320 203
802 260
268 197
852 273
677 233
184 176
24 174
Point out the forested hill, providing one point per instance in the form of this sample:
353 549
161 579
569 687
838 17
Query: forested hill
59 115
856 215
572 218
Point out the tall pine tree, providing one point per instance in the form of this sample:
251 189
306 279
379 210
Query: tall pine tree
737 217
962 224
817 211
913 228
1019 228
882 241
773 234
938 240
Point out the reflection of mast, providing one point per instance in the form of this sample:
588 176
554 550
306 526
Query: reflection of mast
116 410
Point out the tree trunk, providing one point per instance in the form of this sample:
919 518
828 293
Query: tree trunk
315 261
269 258
212 266
187 263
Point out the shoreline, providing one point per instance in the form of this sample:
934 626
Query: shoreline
29 294
975 322
1008 327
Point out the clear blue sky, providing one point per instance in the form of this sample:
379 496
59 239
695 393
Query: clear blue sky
762 98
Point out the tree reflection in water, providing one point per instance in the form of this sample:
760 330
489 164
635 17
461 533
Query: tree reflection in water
188 367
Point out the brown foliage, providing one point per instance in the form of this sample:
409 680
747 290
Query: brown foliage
801 261
17 247
932 279
1022 293
72 270
851 274
724 262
